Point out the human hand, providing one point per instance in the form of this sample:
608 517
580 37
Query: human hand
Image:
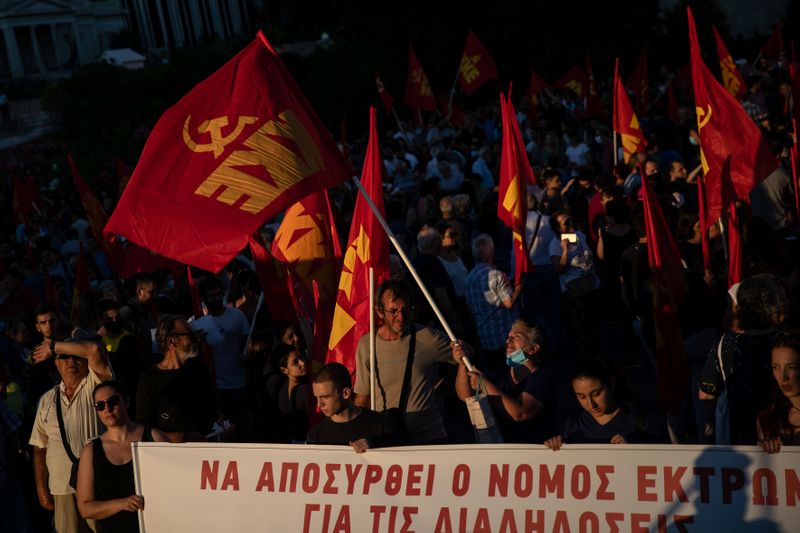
41 352
46 500
554 443
360 445
132 503
770 444
475 378
457 349
618 439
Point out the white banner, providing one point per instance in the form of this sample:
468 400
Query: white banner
226 488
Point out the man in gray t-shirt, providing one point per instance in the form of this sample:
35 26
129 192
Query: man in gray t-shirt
422 415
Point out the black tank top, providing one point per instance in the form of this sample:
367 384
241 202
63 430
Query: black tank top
115 481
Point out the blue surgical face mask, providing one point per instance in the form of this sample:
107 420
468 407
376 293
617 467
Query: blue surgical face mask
516 359
693 141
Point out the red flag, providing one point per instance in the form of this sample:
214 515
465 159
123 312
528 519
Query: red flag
453 108
725 130
639 82
386 98
774 45
625 121
669 292
236 150
672 105
574 80
136 259
728 195
795 184
477 66
20 203
306 243
512 194
197 307
367 246
794 80
701 202
535 89
594 104
274 282
418 91
731 77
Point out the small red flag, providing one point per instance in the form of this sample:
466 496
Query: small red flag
367 246
274 282
575 80
639 82
774 45
386 98
236 150
701 201
669 292
731 77
625 121
515 173
594 104
418 90
725 130
197 307
476 67
728 195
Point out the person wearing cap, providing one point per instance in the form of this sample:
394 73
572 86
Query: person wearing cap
81 364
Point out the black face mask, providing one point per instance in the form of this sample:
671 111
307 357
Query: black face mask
214 305
112 326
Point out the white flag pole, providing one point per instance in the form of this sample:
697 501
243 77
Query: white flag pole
408 264
371 338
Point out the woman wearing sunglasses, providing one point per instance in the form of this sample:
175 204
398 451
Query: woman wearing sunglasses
106 491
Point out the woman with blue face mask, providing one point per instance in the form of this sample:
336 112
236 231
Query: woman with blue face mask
524 397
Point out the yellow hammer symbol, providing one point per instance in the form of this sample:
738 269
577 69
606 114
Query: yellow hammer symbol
214 128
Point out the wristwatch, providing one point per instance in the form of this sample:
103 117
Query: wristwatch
53 348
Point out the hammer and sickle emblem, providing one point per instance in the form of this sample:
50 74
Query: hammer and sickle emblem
214 128
703 116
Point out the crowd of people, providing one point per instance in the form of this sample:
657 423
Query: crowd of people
85 373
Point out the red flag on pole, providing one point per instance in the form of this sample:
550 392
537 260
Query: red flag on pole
236 150
512 193
731 77
197 307
725 130
728 195
774 45
575 80
418 91
795 183
594 104
669 292
639 82
535 89
273 280
701 202
625 121
367 246
386 98
477 66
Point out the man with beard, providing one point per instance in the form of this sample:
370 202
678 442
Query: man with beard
177 395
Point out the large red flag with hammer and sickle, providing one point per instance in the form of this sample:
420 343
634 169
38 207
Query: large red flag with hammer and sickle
418 89
725 130
476 67
235 151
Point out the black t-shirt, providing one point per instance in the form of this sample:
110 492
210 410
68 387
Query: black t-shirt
176 400
379 429
635 426
542 386
295 409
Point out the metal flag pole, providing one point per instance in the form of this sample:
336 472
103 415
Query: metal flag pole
409 266
371 338
616 155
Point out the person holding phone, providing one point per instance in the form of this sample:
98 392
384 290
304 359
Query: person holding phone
524 397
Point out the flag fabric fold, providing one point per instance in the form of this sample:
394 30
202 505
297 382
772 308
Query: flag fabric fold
236 150
367 246
731 77
418 90
386 98
734 232
274 281
476 67
575 80
624 121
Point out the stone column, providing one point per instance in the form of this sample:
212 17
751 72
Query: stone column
15 67
37 55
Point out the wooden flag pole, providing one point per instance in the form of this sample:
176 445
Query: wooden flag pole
409 266
616 149
452 93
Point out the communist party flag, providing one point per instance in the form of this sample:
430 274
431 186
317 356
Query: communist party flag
476 67
574 80
731 77
238 149
669 291
386 98
624 120
274 282
725 130
594 105
734 232
639 82
307 245
774 45
367 246
418 91
512 194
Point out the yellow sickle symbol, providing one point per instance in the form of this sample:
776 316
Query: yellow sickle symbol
214 128
703 116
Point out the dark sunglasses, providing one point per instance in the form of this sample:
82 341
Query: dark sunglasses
111 402
64 357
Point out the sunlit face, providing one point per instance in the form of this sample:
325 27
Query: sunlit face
146 292
186 341
114 409
72 367
449 238
785 365
291 337
517 339
395 313
329 399
295 365
46 324
593 396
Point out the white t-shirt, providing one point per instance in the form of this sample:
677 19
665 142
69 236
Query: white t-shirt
224 334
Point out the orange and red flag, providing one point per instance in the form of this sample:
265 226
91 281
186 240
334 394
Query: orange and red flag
575 80
731 77
725 130
274 282
515 173
418 90
386 98
476 67
236 150
639 83
624 120
367 246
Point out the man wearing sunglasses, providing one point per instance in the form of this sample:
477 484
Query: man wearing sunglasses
81 364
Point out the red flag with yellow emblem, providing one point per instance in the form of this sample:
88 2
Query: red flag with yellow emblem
236 150
367 246
725 130
418 90
386 98
731 77
515 172
625 121
476 67
575 80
